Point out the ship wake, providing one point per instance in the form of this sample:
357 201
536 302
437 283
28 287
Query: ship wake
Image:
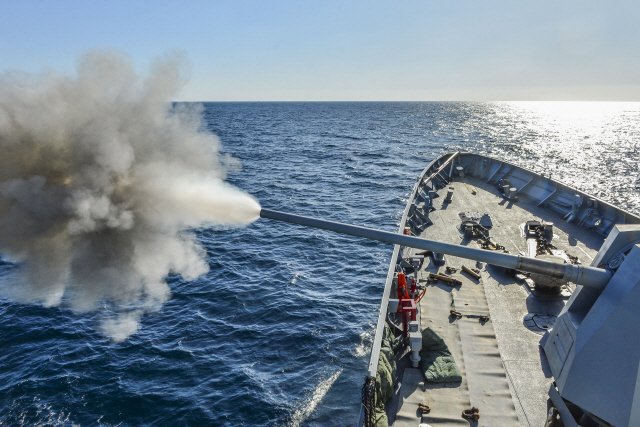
310 404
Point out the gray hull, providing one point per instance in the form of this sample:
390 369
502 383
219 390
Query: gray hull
523 296
536 350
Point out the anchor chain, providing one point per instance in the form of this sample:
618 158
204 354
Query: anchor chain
368 401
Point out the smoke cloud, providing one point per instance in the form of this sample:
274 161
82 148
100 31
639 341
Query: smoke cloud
99 177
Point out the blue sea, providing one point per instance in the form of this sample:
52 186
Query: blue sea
278 333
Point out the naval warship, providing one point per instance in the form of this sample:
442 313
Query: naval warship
510 301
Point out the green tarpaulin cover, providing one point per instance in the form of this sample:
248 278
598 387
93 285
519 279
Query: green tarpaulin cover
436 361
386 377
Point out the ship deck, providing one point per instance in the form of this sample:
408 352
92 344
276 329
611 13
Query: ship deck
505 372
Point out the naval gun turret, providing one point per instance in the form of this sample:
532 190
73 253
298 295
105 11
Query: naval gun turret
594 348
590 277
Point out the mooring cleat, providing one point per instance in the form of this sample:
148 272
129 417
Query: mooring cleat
423 408
455 314
472 414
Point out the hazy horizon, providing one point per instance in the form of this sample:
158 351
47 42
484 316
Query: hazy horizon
400 100
346 51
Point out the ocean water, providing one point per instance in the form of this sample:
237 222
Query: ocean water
278 333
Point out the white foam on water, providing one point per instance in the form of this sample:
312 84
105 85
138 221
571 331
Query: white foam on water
310 404
366 341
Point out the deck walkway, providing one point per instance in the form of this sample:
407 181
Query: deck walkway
505 373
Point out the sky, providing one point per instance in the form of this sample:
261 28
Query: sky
344 50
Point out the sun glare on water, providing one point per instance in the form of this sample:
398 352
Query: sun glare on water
570 140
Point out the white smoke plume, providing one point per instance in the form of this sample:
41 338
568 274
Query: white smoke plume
99 176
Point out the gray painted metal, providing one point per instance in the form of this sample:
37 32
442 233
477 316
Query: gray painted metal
551 193
590 277
594 357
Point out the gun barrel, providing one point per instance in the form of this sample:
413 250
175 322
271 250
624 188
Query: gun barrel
586 276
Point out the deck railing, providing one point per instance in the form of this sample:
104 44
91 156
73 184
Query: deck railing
382 316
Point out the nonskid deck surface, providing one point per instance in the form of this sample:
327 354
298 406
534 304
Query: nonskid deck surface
505 373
